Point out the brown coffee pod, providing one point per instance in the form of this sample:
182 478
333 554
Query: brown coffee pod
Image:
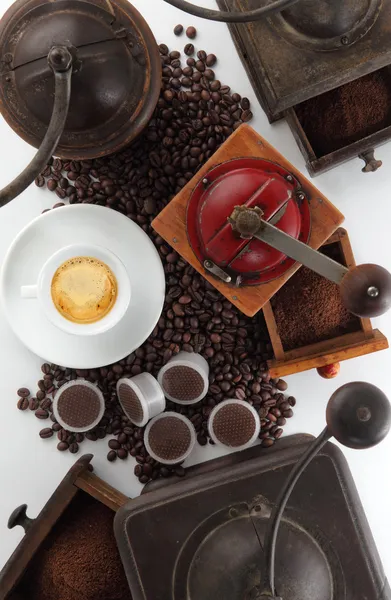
185 378
78 405
169 438
141 398
234 424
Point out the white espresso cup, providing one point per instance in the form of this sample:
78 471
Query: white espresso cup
42 289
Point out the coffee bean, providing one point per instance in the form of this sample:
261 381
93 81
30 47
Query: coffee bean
23 404
178 29
62 435
245 103
209 76
266 443
46 433
62 446
114 445
111 456
281 385
46 404
74 448
278 433
240 394
211 60
288 413
41 395
191 32
51 184
292 401
163 49
33 403
122 453
247 115
41 413
23 392
189 51
263 411
200 66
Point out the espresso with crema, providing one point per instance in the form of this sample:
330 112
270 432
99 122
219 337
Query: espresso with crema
84 289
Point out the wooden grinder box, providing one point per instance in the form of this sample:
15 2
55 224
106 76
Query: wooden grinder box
360 340
170 224
79 486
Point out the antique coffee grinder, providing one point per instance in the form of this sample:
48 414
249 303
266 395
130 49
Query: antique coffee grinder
282 525
247 221
296 51
80 78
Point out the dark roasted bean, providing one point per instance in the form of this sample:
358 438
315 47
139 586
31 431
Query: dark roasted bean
189 50
191 32
23 404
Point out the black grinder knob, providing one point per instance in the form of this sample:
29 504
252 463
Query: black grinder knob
366 290
358 415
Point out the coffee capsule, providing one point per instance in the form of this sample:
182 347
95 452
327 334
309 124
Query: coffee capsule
169 438
185 378
78 406
141 398
234 424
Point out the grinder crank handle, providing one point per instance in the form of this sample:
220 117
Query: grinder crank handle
232 16
365 290
61 62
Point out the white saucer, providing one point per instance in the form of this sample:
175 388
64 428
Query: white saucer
90 224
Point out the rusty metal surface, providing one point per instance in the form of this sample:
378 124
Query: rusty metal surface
285 74
116 80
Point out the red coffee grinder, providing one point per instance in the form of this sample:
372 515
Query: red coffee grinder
249 219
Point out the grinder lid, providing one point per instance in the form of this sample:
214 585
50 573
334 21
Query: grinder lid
254 183
116 74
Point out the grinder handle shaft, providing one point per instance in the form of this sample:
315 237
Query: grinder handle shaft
366 290
61 62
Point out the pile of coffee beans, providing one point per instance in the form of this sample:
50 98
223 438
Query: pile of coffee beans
195 114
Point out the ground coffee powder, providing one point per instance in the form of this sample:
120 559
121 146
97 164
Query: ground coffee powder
79 559
348 113
309 309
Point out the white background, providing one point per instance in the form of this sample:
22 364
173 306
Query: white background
31 468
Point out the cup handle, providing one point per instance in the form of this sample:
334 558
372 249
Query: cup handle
29 291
